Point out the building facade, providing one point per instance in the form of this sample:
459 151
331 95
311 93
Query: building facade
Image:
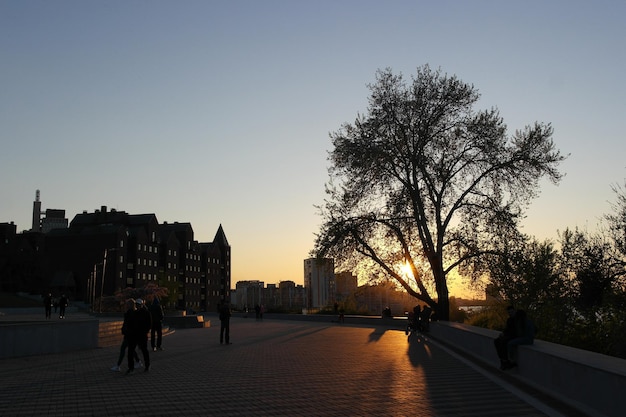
106 251
319 280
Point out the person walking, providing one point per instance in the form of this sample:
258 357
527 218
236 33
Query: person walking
130 309
140 324
47 304
63 302
224 310
156 332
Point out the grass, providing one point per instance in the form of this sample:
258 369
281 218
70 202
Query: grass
10 300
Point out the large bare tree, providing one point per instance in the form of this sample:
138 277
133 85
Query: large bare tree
422 183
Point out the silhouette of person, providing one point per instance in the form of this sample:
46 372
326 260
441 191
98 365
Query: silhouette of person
62 304
130 308
524 335
417 317
225 322
425 318
156 313
501 342
47 304
140 324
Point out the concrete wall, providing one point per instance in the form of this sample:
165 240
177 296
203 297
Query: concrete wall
592 382
37 338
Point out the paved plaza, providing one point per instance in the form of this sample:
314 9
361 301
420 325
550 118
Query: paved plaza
273 368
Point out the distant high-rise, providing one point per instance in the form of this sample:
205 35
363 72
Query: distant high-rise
36 227
319 281
54 218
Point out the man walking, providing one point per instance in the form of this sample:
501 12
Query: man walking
156 332
140 325
63 302
224 310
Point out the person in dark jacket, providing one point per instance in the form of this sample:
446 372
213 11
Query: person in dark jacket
130 309
224 310
509 333
63 302
524 334
156 332
140 324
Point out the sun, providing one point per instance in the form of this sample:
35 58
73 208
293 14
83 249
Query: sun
405 270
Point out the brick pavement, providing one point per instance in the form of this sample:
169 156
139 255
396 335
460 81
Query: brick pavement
273 368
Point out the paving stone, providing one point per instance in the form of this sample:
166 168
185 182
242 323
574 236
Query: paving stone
273 368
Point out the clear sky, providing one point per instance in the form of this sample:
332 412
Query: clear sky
216 113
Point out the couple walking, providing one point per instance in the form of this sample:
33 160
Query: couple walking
138 321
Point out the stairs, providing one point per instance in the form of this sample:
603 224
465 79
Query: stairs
110 333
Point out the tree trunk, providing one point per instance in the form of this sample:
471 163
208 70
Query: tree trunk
443 303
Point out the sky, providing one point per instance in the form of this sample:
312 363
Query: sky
219 112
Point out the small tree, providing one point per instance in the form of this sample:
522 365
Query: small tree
423 183
149 292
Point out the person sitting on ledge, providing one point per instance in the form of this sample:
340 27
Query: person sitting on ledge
501 342
525 335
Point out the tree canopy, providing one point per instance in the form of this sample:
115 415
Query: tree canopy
423 183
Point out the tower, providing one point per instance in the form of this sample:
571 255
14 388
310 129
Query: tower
36 214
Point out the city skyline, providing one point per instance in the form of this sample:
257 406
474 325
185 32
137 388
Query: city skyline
219 113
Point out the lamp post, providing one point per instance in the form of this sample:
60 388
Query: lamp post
104 265
92 294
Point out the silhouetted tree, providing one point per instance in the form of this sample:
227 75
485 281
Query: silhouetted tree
426 181
617 233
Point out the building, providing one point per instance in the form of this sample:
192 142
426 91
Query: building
319 280
292 296
54 218
249 294
105 251
215 271
347 284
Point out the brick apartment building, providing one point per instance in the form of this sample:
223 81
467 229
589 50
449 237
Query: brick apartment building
104 251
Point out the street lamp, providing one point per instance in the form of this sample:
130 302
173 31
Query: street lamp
104 265
92 292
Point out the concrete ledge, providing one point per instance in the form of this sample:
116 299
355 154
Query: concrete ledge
26 339
398 323
187 322
589 381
